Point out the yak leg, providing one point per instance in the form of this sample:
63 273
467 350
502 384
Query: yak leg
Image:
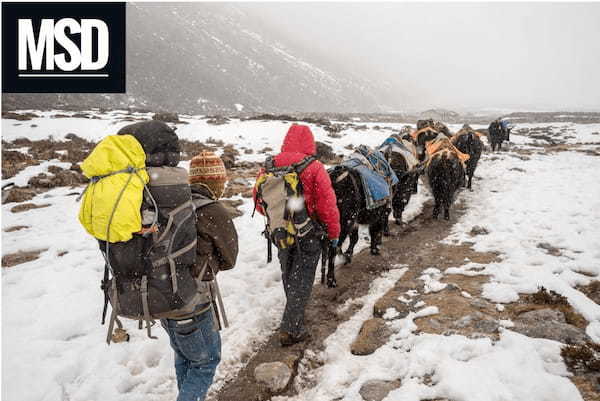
375 231
436 209
470 179
331 282
386 224
353 241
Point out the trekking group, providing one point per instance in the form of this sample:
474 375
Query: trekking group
165 236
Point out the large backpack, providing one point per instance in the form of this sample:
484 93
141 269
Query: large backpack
147 276
280 194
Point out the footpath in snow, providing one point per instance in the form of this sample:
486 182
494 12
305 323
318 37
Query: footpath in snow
51 306
521 202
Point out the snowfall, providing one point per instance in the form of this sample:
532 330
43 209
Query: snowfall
53 346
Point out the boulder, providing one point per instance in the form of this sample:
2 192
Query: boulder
275 376
477 321
549 324
324 152
377 390
390 300
166 117
23 207
543 315
372 335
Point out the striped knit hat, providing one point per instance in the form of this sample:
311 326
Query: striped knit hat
207 168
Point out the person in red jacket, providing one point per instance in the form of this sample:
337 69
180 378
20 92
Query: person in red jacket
299 263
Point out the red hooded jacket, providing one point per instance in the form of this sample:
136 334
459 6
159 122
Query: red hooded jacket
319 197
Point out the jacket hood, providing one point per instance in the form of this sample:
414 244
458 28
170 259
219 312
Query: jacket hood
299 139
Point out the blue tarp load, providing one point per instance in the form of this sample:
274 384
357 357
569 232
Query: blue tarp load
376 175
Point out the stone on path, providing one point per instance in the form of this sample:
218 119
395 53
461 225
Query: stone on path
372 335
377 390
275 376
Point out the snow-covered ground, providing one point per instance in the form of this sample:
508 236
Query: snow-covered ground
522 203
51 306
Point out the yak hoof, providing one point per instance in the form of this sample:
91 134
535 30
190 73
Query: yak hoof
375 251
347 258
331 283
446 216
398 222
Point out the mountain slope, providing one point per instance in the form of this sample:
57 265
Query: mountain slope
217 57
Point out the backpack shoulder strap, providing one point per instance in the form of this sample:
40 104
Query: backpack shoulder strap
269 164
200 202
302 164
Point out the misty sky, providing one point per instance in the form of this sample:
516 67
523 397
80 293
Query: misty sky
458 55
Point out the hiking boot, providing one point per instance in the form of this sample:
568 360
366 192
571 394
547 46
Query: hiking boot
286 339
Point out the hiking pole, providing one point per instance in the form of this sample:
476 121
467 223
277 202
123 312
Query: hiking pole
324 257
269 244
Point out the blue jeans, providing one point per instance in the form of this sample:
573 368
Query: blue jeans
197 346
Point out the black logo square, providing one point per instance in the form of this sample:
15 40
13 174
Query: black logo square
63 47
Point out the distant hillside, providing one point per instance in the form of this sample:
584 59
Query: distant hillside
207 57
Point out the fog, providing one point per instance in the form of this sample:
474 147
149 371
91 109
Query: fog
464 56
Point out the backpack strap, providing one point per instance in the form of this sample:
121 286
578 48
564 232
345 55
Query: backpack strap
269 164
200 202
302 164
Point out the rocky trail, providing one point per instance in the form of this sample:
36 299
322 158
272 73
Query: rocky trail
426 267
419 246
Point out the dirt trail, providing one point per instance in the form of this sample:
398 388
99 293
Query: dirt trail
415 244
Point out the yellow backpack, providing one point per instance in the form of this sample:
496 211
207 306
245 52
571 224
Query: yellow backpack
110 210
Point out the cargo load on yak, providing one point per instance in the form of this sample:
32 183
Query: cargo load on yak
442 142
280 194
145 221
376 174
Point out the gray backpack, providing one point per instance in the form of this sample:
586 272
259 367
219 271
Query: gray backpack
149 277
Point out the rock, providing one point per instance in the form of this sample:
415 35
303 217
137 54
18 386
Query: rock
372 335
390 300
14 228
562 332
27 206
18 195
17 258
479 303
217 120
324 152
543 315
552 250
275 376
477 321
120 335
478 230
18 116
377 390
239 181
166 117
61 178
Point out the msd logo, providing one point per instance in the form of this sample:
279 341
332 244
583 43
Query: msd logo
63 47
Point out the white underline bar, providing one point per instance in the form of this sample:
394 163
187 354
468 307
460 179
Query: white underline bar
63 75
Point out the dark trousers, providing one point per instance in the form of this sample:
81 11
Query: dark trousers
298 268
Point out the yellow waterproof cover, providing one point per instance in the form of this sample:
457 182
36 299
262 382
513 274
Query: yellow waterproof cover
120 194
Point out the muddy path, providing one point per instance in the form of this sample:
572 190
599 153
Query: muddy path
415 245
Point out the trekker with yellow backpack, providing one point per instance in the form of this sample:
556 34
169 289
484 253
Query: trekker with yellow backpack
294 192
161 256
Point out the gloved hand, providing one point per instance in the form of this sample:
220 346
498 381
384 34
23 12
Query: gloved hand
334 242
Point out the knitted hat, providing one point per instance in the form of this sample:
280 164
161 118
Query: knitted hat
207 168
